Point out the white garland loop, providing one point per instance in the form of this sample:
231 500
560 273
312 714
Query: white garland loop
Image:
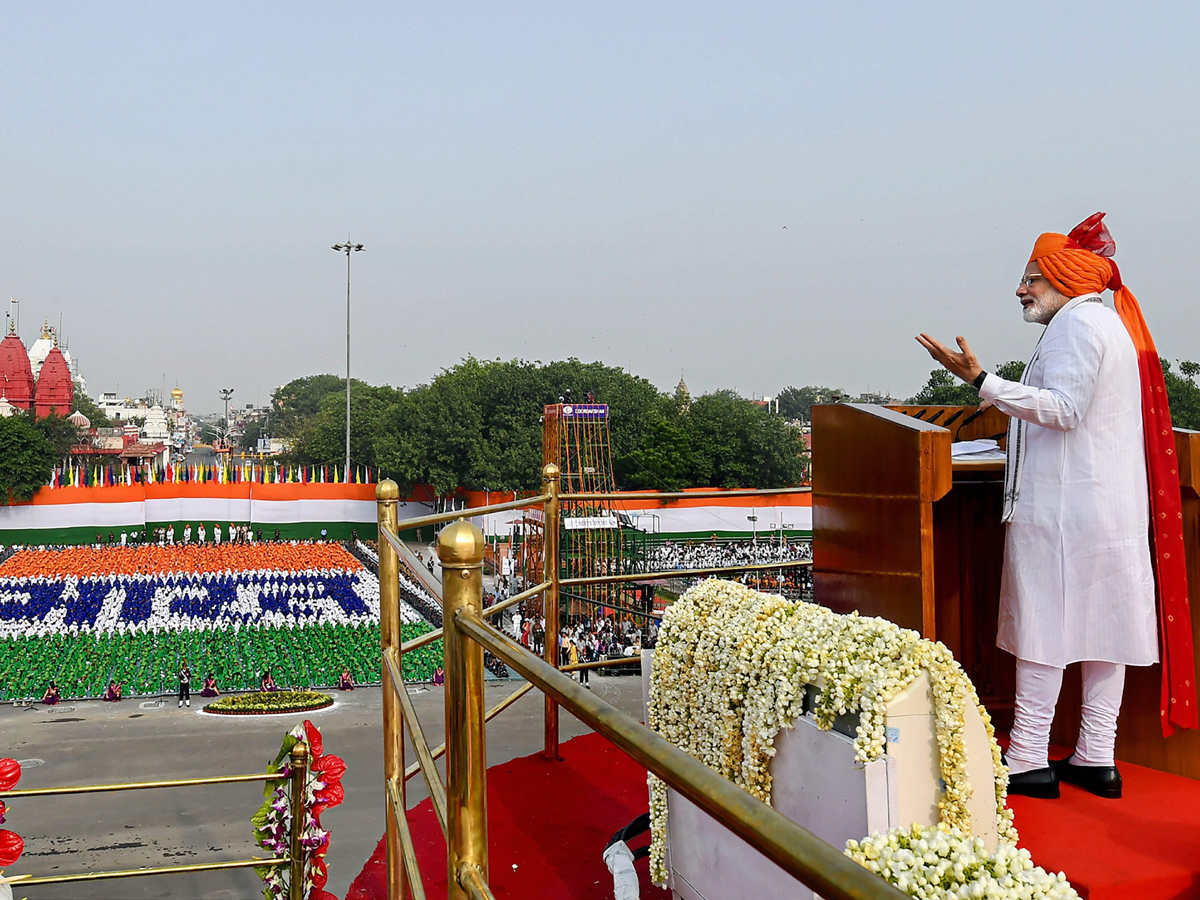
730 669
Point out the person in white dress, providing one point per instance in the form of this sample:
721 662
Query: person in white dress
1078 581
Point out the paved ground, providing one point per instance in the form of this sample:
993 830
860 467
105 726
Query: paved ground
94 742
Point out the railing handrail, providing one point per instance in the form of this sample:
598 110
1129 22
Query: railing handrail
430 636
139 785
700 494
813 861
294 859
468 513
685 573
433 778
467 634
270 862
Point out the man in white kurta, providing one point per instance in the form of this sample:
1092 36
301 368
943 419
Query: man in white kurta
1077 582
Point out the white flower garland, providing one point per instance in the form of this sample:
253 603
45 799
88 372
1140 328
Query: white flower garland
941 863
730 670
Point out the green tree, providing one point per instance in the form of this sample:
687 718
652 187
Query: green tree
300 400
738 444
663 462
249 439
797 403
60 433
26 459
1183 394
944 389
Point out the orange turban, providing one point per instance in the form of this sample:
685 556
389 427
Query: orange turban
1080 263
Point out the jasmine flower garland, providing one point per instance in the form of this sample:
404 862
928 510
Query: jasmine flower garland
731 667
941 863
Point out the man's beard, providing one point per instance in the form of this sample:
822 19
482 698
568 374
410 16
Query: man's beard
1043 308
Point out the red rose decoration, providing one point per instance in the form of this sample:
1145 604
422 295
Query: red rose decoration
11 847
10 774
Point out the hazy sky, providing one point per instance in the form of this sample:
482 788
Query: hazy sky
757 194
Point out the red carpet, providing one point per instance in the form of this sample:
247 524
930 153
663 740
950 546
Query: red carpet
547 827
553 819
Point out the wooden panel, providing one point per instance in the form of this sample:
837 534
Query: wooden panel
876 474
965 423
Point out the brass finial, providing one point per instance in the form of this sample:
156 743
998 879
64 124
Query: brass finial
460 545
387 490
550 472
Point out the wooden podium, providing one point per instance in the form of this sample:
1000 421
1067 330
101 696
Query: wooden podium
901 531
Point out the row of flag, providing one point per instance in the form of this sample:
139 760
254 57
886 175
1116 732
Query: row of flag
198 473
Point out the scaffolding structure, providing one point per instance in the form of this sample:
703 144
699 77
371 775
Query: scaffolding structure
597 537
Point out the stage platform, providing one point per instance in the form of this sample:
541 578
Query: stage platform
549 823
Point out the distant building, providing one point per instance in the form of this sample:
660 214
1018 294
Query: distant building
155 428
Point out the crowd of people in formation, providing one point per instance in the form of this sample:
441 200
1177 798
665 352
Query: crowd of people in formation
89 561
170 535
43 592
411 594
110 622
713 554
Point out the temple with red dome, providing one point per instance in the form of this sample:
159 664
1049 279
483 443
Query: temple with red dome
16 375
54 391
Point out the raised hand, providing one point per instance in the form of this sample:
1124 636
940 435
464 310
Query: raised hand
963 364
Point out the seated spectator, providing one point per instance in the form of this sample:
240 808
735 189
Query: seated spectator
439 675
210 687
345 682
267 683
113 692
52 695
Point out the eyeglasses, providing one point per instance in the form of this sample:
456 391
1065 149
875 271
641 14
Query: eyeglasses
1028 280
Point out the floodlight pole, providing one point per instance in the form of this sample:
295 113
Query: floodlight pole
347 248
226 393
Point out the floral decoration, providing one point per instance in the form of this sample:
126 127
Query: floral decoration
273 821
269 702
732 667
939 862
11 844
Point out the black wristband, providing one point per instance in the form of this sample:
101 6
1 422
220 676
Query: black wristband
978 382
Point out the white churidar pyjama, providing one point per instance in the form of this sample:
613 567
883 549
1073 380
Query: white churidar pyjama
1038 687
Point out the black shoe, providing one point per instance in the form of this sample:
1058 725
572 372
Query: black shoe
1040 783
1103 781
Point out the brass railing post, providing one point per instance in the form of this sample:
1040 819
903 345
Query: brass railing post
387 495
550 482
460 549
296 850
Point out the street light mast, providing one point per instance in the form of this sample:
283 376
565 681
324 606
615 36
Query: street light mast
226 393
348 248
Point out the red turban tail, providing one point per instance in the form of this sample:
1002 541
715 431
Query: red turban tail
1076 264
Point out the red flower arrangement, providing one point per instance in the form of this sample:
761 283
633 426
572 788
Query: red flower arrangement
272 823
11 844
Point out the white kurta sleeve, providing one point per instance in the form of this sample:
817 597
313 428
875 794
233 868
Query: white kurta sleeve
1069 360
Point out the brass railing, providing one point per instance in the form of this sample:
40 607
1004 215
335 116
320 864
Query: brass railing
294 860
459 802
